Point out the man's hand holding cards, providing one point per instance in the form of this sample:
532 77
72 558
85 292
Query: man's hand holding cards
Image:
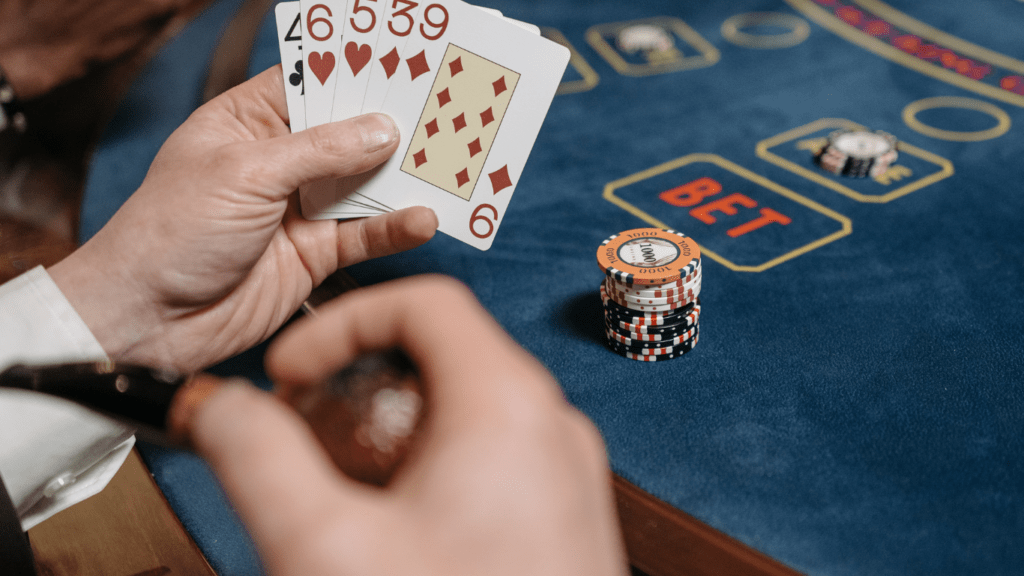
467 87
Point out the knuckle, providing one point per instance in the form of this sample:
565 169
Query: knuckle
365 244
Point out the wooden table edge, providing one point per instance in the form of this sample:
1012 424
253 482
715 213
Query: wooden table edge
662 540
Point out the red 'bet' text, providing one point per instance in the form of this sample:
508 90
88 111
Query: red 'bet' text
692 194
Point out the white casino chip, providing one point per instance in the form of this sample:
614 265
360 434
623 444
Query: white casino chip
862 144
858 153
644 37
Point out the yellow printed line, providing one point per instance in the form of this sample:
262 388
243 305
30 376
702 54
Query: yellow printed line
845 230
1002 126
732 30
983 55
709 55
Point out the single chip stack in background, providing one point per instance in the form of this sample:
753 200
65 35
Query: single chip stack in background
858 153
650 293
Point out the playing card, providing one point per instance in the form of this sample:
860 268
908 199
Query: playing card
289 29
322 27
445 144
429 22
322 23
289 39
362 23
398 19
398 22
367 22
469 99
531 28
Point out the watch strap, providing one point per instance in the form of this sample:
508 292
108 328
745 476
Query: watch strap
11 115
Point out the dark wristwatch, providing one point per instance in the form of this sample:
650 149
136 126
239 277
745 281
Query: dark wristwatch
11 115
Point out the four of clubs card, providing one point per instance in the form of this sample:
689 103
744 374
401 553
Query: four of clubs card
467 87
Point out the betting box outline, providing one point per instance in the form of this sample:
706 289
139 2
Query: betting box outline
764 152
709 55
799 30
577 61
611 187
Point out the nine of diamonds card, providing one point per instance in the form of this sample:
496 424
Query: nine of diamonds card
468 88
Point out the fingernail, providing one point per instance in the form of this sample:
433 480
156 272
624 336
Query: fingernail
378 131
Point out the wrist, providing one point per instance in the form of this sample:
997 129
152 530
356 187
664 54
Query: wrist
109 304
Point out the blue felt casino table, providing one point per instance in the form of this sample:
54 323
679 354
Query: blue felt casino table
856 402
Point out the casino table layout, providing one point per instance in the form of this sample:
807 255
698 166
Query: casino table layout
855 404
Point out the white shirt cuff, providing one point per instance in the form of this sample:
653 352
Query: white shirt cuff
53 453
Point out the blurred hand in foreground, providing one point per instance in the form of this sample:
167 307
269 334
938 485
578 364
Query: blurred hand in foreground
504 477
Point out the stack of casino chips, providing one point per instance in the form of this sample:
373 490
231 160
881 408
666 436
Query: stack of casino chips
650 293
858 153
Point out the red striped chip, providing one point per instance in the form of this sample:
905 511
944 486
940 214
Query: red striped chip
616 306
619 296
648 256
667 286
642 321
619 299
628 311
661 335
678 290
664 298
643 291
638 323
634 335
615 311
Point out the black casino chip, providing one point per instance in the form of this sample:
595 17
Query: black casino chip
688 321
651 356
626 342
651 340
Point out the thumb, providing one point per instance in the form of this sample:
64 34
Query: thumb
332 150
271 466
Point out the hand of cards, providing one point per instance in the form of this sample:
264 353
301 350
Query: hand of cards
467 87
